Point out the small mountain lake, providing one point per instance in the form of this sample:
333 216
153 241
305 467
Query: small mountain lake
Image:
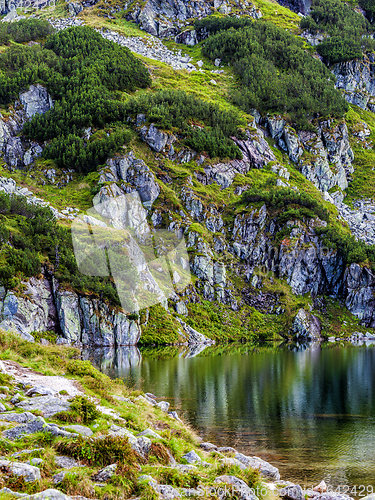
309 410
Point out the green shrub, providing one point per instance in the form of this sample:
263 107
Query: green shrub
26 30
204 125
351 249
99 452
347 30
82 410
336 18
5 379
81 368
83 72
4 35
175 478
282 198
337 49
277 74
48 335
71 151
85 408
216 23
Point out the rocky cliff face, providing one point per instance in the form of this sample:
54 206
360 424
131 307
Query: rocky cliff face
224 248
325 158
167 18
44 306
17 151
300 259
357 80
248 246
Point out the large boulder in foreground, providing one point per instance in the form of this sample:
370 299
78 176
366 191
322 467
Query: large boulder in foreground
265 468
47 405
28 472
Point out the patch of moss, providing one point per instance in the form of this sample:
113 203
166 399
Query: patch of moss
161 328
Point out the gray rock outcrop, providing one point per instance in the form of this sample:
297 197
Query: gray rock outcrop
28 472
299 6
106 473
360 218
34 311
167 18
360 283
357 80
49 494
36 425
315 153
66 462
193 337
305 326
20 418
74 8
155 138
255 150
239 486
165 491
17 151
36 101
48 307
135 173
47 405
265 468
92 322
153 49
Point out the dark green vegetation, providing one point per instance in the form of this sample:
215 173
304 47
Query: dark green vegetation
351 249
35 232
100 452
82 410
213 23
24 30
345 28
37 239
205 126
82 71
85 75
369 7
276 73
286 198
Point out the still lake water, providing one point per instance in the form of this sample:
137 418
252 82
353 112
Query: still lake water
310 411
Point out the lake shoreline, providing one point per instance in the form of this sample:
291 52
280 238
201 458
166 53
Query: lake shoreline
209 390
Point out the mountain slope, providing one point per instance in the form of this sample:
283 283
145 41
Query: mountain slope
257 194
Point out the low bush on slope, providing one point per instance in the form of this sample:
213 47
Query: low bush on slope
82 71
344 26
369 7
24 30
276 73
205 126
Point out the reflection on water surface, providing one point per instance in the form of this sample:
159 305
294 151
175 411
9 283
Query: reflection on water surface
310 410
